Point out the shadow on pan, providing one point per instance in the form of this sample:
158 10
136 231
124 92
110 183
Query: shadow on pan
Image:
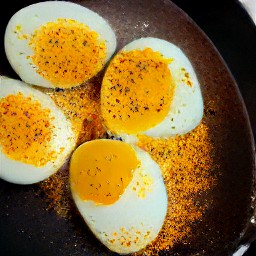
27 227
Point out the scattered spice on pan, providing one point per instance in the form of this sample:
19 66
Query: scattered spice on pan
81 105
56 191
187 165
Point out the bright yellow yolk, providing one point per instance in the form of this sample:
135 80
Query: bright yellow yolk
100 170
25 130
67 52
137 91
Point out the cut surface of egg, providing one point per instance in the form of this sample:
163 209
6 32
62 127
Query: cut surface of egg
58 43
35 136
150 87
120 193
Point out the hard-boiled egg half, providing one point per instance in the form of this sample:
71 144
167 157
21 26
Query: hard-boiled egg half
120 193
35 136
150 87
58 43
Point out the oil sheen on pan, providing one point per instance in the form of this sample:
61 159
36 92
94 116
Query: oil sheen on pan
211 176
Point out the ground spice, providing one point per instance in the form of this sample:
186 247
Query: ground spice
187 166
66 52
56 191
81 105
25 132
130 102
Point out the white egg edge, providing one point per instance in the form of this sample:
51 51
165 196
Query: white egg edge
21 173
193 112
32 17
148 213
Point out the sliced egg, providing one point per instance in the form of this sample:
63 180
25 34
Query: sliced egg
120 193
58 43
150 87
35 137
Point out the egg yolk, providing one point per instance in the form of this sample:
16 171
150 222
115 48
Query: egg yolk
25 130
137 91
67 52
100 170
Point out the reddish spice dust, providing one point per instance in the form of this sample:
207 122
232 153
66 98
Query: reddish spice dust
187 166
186 163
81 105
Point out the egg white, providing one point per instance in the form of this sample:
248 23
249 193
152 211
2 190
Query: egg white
132 216
34 16
63 137
186 109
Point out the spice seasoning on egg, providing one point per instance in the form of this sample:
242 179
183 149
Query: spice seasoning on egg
57 44
137 91
65 52
25 132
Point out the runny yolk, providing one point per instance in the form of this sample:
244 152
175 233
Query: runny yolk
67 52
25 130
137 91
100 170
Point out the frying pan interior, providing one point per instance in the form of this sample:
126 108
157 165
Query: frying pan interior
24 219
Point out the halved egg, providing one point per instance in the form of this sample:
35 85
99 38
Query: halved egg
35 137
58 43
120 193
150 87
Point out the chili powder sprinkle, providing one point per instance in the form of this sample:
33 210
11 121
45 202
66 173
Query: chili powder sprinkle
25 132
66 52
129 99
187 167
81 105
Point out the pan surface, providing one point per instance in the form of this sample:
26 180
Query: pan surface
28 225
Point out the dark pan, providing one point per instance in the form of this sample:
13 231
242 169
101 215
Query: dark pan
27 228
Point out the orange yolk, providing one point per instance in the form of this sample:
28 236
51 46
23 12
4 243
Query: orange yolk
67 52
25 130
100 170
137 91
